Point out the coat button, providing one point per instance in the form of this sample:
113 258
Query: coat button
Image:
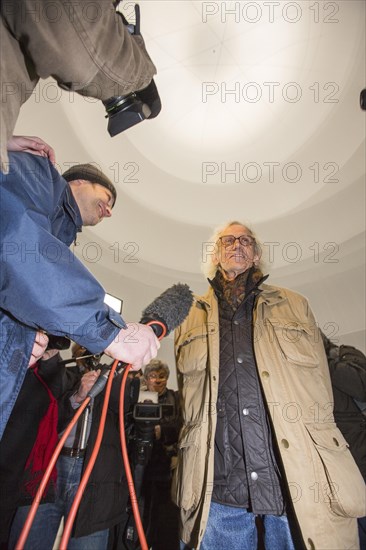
236 322
265 374
254 476
336 442
245 412
311 544
239 360
285 443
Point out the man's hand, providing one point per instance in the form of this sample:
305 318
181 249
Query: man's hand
32 144
136 345
86 384
39 347
157 431
48 354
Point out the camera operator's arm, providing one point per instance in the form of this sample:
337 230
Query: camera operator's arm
86 48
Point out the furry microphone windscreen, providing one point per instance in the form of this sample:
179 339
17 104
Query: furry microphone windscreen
171 307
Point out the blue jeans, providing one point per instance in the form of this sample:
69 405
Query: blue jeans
46 523
230 528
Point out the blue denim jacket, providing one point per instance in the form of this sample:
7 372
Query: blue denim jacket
43 285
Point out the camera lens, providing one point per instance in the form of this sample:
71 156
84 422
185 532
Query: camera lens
123 112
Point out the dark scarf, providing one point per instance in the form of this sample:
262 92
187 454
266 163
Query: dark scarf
235 291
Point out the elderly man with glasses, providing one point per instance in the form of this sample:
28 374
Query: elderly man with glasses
259 453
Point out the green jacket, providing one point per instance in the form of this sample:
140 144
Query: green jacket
326 487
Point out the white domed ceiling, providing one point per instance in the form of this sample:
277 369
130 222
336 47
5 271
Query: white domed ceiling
260 122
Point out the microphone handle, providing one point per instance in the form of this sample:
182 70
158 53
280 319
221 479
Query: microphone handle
100 383
159 327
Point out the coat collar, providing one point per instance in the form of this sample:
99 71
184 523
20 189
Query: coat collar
270 295
72 207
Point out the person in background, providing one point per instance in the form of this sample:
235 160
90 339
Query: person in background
30 437
160 517
136 374
105 497
347 367
251 364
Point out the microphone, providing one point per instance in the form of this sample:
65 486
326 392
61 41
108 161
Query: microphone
169 309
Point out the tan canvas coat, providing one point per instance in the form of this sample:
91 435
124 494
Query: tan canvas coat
326 487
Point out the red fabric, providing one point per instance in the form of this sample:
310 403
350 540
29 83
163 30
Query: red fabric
44 446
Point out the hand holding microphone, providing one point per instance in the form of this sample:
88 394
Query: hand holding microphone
135 345
87 382
138 344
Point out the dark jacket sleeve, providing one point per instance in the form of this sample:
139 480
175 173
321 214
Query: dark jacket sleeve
130 396
63 382
58 378
171 424
348 372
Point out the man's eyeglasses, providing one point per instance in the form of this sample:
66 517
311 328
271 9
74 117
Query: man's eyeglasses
230 240
157 377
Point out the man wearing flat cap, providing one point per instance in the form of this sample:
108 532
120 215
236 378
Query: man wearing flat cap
44 288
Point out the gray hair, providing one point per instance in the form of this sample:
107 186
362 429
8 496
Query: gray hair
209 249
156 365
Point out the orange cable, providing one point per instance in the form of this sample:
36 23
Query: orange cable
37 499
75 505
131 485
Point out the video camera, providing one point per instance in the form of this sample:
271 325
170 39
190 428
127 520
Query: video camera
145 416
125 111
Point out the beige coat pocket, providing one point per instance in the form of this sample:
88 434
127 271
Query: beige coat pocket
340 481
188 475
191 350
295 341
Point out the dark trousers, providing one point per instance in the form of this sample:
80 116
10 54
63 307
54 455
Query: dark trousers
160 515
